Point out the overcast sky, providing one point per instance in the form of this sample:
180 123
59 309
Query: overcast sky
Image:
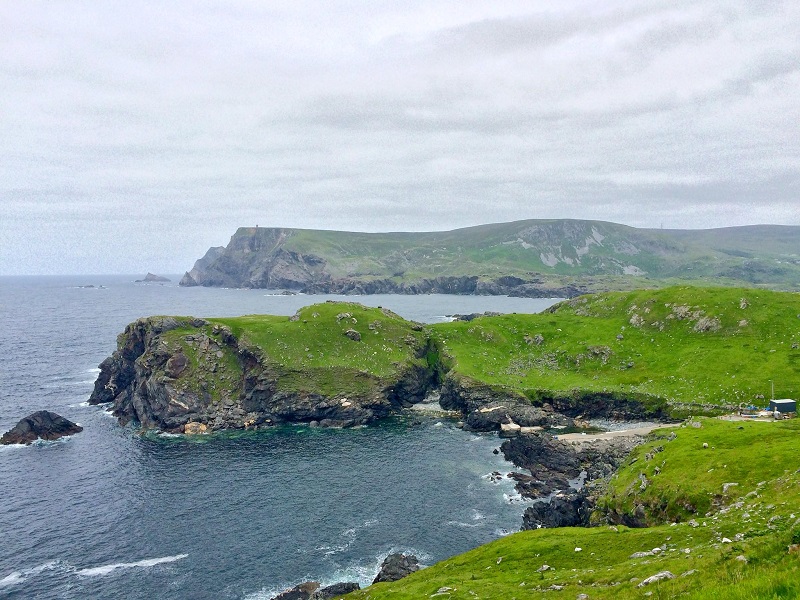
134 135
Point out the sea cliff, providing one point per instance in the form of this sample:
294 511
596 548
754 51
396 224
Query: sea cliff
559 258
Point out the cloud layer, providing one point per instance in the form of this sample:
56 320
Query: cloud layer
135 135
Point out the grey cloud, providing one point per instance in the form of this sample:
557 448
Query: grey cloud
179 122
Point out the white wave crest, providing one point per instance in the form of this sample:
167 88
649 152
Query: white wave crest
18 577
149 562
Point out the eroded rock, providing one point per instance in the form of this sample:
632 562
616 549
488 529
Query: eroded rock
396 566
42 424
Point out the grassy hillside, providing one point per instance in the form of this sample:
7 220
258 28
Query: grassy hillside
312 354
591 255
563 247
682 345
734 546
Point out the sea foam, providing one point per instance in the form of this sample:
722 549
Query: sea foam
149 562
17 577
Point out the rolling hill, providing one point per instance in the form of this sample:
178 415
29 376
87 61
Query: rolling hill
528 258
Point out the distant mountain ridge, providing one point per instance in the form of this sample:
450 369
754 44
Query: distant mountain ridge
560 257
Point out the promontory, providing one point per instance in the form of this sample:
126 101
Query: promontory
534 258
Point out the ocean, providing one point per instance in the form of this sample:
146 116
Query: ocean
111 513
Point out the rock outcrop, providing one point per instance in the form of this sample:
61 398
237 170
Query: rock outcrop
311 590
42 424
563 476
153 278
188 375
396 566
487 409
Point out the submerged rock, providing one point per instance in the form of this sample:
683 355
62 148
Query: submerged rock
41 424
396 566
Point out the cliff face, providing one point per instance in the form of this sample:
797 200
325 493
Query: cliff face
256 258
191 375
526 258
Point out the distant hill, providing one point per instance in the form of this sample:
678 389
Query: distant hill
562 257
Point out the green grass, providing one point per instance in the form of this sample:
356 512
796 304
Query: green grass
222 383
641 344
764 509
593 254
313 354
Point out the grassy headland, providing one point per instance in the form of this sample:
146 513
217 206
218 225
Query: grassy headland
527 258
682 345
312 352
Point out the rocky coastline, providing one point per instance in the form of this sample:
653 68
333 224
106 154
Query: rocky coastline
203 378
354 286
194 376
564 477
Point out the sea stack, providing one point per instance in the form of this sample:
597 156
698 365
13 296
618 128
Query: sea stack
41 424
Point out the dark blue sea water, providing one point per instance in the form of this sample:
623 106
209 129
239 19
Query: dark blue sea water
109 513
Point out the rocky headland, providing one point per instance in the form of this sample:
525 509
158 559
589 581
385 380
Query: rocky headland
534 258
187 375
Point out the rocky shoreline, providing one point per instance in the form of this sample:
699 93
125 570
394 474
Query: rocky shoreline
207 379
565 477
194 376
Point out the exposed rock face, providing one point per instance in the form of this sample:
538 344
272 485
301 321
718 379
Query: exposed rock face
396 566
152 278
195 277
486 409
42 424
335 590
227 384
302 591
562 510
311 590
563 475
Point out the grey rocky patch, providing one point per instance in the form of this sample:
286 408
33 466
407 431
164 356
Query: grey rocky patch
302 591
43 425
176 365
335 590
565 477
396 566
353 335
663 575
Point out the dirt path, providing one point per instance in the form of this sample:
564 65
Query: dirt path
590 437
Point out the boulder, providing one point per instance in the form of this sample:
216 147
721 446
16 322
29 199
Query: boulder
396 566
195 428
663 575
302 591
42 424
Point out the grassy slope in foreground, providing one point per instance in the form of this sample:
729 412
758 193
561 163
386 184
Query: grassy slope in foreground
757 518
692 345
